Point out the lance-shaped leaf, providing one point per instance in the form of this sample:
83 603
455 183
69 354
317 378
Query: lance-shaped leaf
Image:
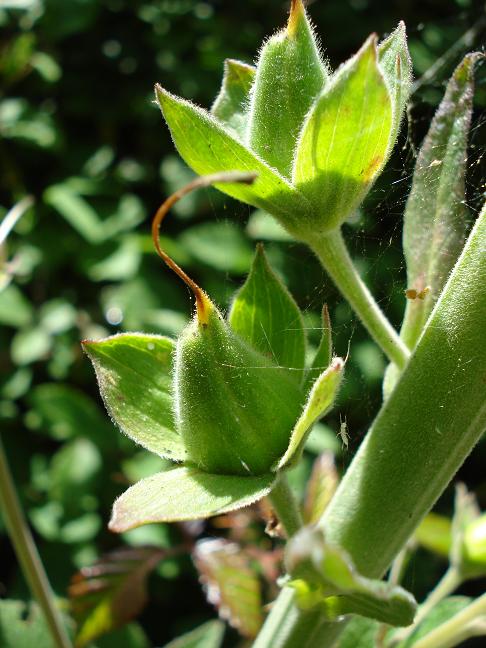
232 103
323 356
231 584
345 139
208 635
265 314
435 215
111 592
320 399
185 494
134 373
208 147
290 75
321 486
395 63
324 575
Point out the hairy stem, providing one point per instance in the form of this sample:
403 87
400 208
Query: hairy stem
333 254
28 555
285 506
469 622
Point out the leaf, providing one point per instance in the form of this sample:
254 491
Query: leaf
207 147
345 139
438 615
185 494
111 592
265 314
23 626
321 398
396 65
30 345
324 575
231 584
289 76
231 105
434 533
321 486
323 356
15 309
436 213
263 227
134 373
208 635
76 211
359 632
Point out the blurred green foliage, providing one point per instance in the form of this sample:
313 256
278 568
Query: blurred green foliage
79 131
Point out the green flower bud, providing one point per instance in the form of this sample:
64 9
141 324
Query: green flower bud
474 544
317 140
235 409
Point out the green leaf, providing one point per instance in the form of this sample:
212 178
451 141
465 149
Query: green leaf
359 632
323 356
185 494
134 373
231 105
220 245
208 147
30 345
15 309
262 226
113 591
265 314
208 635
231 584
76 211
438 615
324 575
289 77
436 213
345 139
321 398
396 66
434 533
321 486
23 626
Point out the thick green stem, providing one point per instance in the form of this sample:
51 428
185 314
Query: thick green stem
334 256
470 622
424 431
27 554
285 506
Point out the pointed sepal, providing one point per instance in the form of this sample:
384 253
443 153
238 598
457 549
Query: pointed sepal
265 314
134 373
320 400
208 147
290 75
323 356
232 103
345 139
324 575
185 493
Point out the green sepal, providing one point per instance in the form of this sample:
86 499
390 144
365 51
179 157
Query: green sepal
319 401
323 575
265 314
134 373
345 139
232 103
185 493
235 407
396 65
207 146
436 215
290 75
323 356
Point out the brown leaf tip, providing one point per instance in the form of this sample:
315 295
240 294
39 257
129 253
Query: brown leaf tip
297 10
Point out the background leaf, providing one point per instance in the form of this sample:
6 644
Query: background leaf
231 584
209 635
111 592
231 104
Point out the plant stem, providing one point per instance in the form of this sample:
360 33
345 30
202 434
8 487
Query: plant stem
285 506
459 628
447 584
334 256
28 555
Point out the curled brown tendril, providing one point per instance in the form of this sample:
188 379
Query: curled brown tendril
203 303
